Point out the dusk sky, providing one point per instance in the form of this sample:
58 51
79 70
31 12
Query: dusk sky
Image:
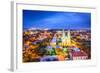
56 20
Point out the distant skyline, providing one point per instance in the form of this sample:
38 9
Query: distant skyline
56 20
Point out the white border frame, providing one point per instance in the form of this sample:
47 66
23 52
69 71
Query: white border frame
16 60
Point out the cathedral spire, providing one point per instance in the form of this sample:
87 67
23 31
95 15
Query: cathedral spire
68 38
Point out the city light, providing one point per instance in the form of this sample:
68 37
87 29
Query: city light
56 36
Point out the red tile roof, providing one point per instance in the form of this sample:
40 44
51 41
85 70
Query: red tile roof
80 53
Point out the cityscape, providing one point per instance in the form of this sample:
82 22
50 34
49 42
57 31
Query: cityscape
56 36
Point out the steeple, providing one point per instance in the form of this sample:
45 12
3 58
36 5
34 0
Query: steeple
64 37
68 38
